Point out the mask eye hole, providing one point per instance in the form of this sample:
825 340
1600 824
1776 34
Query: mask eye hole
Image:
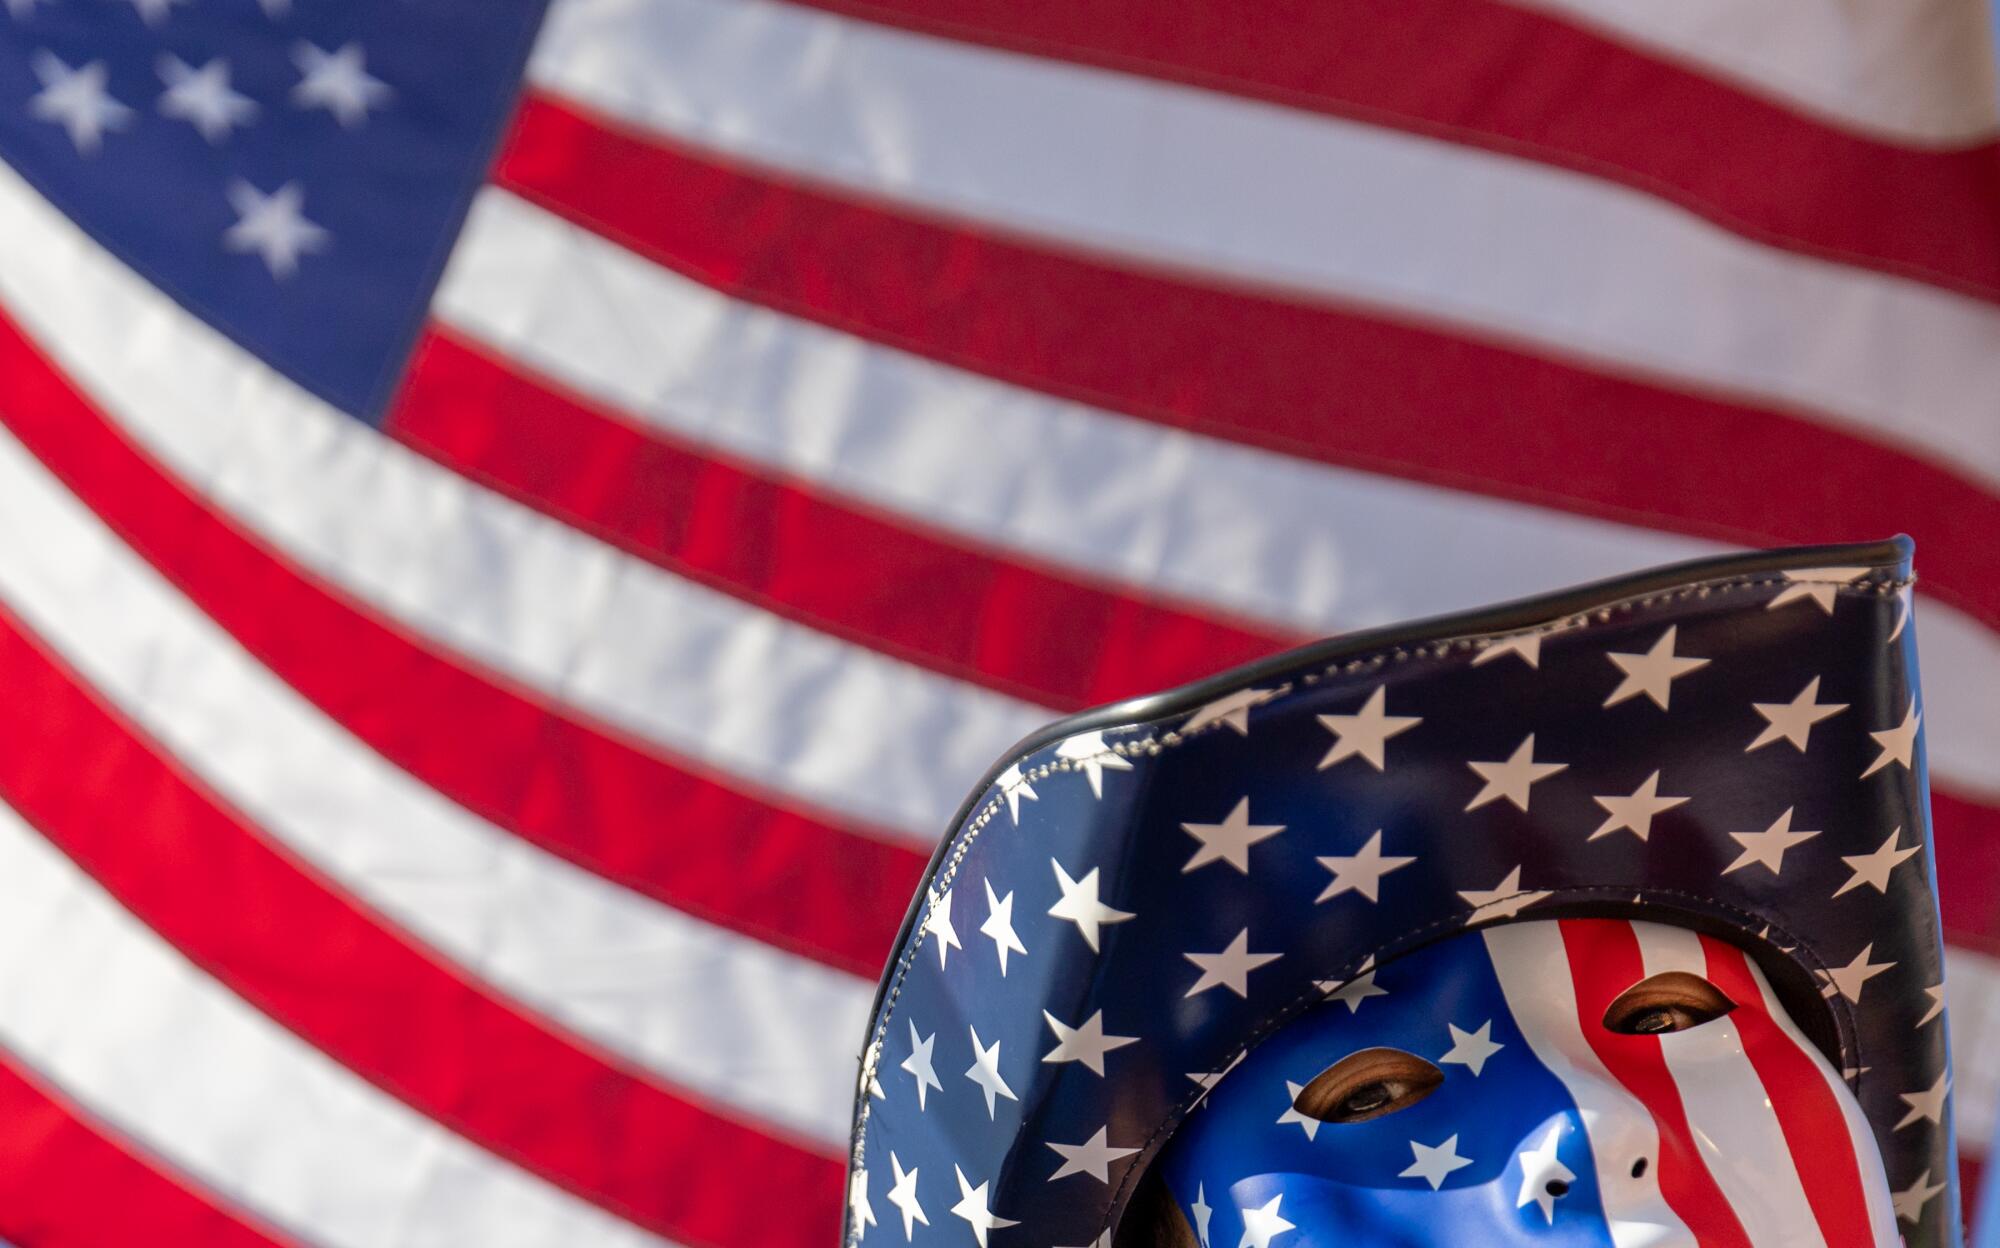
1367 1085
1673 1001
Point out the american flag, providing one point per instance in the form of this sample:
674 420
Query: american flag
519 523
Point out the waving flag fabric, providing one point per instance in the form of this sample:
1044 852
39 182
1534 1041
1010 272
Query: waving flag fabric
518 524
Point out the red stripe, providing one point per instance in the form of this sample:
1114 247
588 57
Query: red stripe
1810 1118
67 1181
886 583
578 789
1307 380
1534 86
1604 960
291 944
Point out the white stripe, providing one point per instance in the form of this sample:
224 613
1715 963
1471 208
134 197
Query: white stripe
94 1001
1916 71
1294 543
1860 1136
1973 989
1169 174
1533 969
738 1021
702 673
1730 1118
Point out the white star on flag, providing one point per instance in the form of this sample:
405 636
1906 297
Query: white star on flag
1652 673
1079 905
985 1071
858 1205
1850 979
1525 646
1792 721
1093 757
76 100
1365 733
1230 968
1232 709
337 82
904 1196
1014 786
1911 1200
1898 744
1819 584
155 11
999 926
1307 1123
274 226
1470 1049
1503 901
1873 869
1434 1164
1927 1105
972 1207
1362 872
919 1064
1263 1224
1092 1157
1230 840
1767 848
1513 778
1087 1043
1636 812
937 922
1539 1168
203 97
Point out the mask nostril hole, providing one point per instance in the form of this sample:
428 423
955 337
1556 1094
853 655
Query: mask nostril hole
1639 1168
1556 1188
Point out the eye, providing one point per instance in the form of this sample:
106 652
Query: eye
1673 1001
1367 1085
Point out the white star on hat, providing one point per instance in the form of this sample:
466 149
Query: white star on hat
1501 902
1525 646
858 1205
1093 758
904 1196
1014 786
1767 848
1635 812
1080 905
1086 1043
1354 991
1936 993
1092 1157
1470 1049
1819 584
1263 1224
1652 673
972 1207
1540 1167
937 922
1902 612
999 926
1911 1200
1873 869
1792 721
1230 968
1230 840
1898 744
1365 733
1434 1164
919 1063
1928 1105
1232 709
1362 872
985 1071
1513 778
1850 979
1307 1123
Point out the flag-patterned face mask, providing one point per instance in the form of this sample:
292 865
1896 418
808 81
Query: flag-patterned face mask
1575 1082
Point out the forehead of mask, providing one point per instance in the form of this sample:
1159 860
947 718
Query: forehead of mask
1548 1127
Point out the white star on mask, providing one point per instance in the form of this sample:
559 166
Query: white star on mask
1364 734
1263 1224
1539 1168
1434 1164
1470 1049
1307 1123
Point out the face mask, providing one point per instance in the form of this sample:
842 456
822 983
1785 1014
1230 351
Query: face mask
1573 1082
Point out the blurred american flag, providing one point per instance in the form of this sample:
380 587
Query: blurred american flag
518 524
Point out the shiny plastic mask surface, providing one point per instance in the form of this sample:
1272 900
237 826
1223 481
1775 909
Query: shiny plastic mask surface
1547 1126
